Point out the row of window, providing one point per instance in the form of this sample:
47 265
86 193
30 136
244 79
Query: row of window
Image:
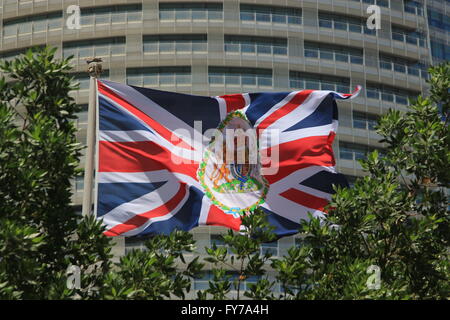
333 52
240 76
439 50
95 48
271 247
381 3
198 11
397 64
410 6
358 25
111 14
389 94
438 20
203 282
236 76
40 23
301 80
344 23
159 76
260 45
408 36
362 120
197 43
175 43
354 151
413 6
190 11
269 14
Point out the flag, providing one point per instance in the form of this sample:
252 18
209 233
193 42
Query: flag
160 166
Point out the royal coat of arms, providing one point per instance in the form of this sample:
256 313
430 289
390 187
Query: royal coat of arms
230 171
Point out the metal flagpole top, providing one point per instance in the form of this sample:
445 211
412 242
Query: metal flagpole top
94 66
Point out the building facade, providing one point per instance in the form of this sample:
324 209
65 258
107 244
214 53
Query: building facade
213 47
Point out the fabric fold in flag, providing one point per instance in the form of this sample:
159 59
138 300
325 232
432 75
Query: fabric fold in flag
171 161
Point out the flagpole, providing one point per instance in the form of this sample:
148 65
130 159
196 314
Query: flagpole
94 70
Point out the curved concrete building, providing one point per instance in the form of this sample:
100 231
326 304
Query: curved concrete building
212 47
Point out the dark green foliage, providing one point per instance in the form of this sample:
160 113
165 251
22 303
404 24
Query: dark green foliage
244 259
159 272
395 218
40 237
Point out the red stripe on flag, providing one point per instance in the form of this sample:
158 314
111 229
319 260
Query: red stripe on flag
139 156
139 219
234 101
305 199
216 217
155 125
297 100
299 154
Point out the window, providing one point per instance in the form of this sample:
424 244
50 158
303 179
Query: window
111 14
336 53
364 121
389 94
260 45
381 3
11 55
217 239
202 283
413 6
301 80
271 247
190 11
32 24
270 14
234 76
353 151
438 20
83 79
79 183
175 43
159 76
82 116
97 47
344 23
409 36
440 51
393 63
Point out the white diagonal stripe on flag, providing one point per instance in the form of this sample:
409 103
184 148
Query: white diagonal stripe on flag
155 111
147 202
158 219
142 135
145 177
280 104
301 112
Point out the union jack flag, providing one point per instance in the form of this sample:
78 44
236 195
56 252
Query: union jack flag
145 185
